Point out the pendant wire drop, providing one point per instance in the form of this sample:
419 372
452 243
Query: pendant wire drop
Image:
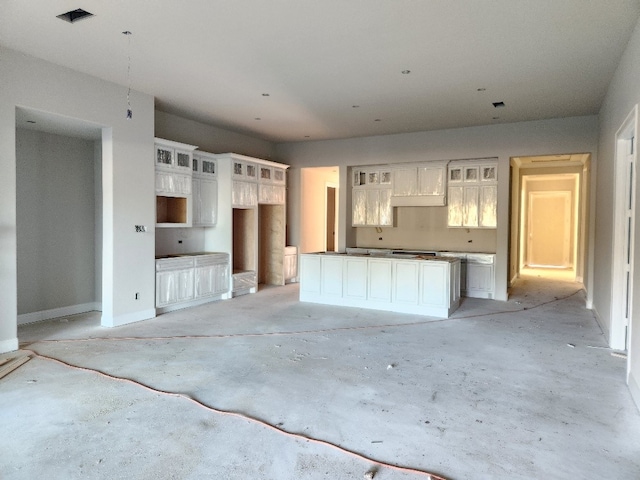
129 111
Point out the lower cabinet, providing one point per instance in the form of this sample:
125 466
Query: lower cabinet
425 287
188 280
480 276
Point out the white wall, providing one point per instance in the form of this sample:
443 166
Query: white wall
208 138
128 181
557 136
55 221
622 96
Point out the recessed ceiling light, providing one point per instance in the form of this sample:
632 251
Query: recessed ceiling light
31 121
258 118
74 15
377 120
406 72
126 32
495 118
265 94
498 104
307 136
482 89
355 106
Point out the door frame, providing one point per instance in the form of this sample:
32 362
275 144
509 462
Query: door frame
567 243
621 307
336 187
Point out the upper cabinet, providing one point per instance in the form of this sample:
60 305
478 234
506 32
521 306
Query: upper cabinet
205 189
173 179
473 193
421 184
371 197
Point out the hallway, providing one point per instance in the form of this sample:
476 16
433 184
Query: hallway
521 389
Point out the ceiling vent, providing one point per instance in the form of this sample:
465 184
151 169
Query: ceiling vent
75 15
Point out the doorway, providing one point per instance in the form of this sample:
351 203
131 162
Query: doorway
319 207
549 212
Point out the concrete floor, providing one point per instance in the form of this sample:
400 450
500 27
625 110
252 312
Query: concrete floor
503 390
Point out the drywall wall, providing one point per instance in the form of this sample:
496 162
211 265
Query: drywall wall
127 180
426 228
623 95
55 221
208 138
567 135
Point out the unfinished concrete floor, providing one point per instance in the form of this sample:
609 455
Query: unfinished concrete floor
503 390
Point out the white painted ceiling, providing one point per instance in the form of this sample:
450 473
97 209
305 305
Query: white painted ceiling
212 60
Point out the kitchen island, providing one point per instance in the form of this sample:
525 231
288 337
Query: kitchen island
423 285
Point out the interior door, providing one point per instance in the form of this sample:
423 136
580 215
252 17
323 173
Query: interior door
331 220
549 229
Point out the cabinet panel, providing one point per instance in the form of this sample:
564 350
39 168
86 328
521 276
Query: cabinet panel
456 206
355 277
173 287
385 209
205 195
433 284
211 280
359 210
470 215
244 194
488 203
332 276
479 277
310 278
405 282
379 281
405 182
372 209
431 180
271 194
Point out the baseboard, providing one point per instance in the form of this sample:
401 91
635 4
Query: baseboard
635 390
9 345
58 312
604 329
128 318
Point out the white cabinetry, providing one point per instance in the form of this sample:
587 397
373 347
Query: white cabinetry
205 190
371 198
187 280
425 287
473 194
244 194
421 184
173 179
480 275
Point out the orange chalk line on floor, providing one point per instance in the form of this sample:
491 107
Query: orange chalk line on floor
304 332
297 436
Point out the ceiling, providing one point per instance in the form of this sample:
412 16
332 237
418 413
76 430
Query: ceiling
296 70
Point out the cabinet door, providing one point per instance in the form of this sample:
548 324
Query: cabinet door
479 277
359 207
332 276
164 156
385 208
271 194
244 194
373 207
470 215
379 280
431 180
405 182
183 160
207 202
204 281
405 282
455 207
488 206
355 278
185 290
279 175
166 288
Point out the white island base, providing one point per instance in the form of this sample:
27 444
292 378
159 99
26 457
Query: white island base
420 285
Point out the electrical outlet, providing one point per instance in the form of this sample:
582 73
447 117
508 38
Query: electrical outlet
141 229
137 295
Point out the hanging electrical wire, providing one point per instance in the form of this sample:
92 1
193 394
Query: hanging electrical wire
129 111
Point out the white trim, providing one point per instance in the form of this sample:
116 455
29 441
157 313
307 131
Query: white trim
9 345
617 331
127 318
58 312
634 388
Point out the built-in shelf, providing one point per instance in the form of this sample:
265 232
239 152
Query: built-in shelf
171 210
